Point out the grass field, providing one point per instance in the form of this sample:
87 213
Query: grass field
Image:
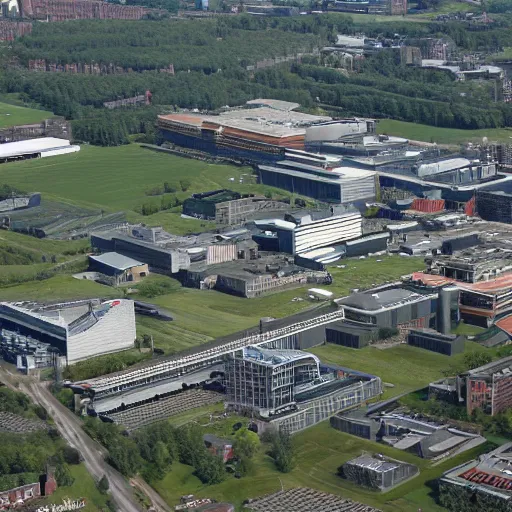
12 115
83 487
407 368
200 315
61 287
116 179
320 451
441 135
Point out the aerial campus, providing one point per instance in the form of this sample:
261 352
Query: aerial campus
256 257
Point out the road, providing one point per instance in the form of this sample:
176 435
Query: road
70 428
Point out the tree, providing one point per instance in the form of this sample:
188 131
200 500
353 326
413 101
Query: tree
246 443
71 455
210 468
185 184
474 359
103 485
63 476
283 451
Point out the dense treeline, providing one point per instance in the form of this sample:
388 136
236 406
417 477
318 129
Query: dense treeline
153 450
210 57
207 46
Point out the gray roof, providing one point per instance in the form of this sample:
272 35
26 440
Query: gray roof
116 260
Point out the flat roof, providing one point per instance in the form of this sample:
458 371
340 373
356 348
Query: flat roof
380 299
116 260
271 357
267 119
277 104
501 283
24 147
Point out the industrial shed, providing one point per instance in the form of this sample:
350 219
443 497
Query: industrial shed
377 473
123 268
35 148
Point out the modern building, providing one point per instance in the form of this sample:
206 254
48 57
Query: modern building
35 148
263 130
392 307
429 339
77 330
343 185
479 485
480 303
290 389
122 268
379 473
396 428
306 232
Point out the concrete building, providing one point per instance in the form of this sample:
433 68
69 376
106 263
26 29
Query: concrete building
479 485
290 389
379 473
429 339
122 268
343 185
77 330
396 428
229 208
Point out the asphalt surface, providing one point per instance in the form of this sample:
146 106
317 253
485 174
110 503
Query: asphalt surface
70 428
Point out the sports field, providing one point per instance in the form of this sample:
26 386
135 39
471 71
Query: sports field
441 135
12 115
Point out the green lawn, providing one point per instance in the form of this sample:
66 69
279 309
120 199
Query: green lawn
441 135
116 179
60 287
222 314
12 115
321 450
407 368
84 486
468 329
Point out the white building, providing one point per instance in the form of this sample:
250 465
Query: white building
36 148
78 330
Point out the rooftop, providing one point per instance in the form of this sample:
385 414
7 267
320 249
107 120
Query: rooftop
117 261
384 299
276 357
499 284
365 461
503 366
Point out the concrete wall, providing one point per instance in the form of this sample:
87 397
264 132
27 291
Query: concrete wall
113 332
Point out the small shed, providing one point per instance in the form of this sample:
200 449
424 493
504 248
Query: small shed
220 447
122 268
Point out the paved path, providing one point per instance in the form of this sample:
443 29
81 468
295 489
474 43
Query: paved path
70 428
